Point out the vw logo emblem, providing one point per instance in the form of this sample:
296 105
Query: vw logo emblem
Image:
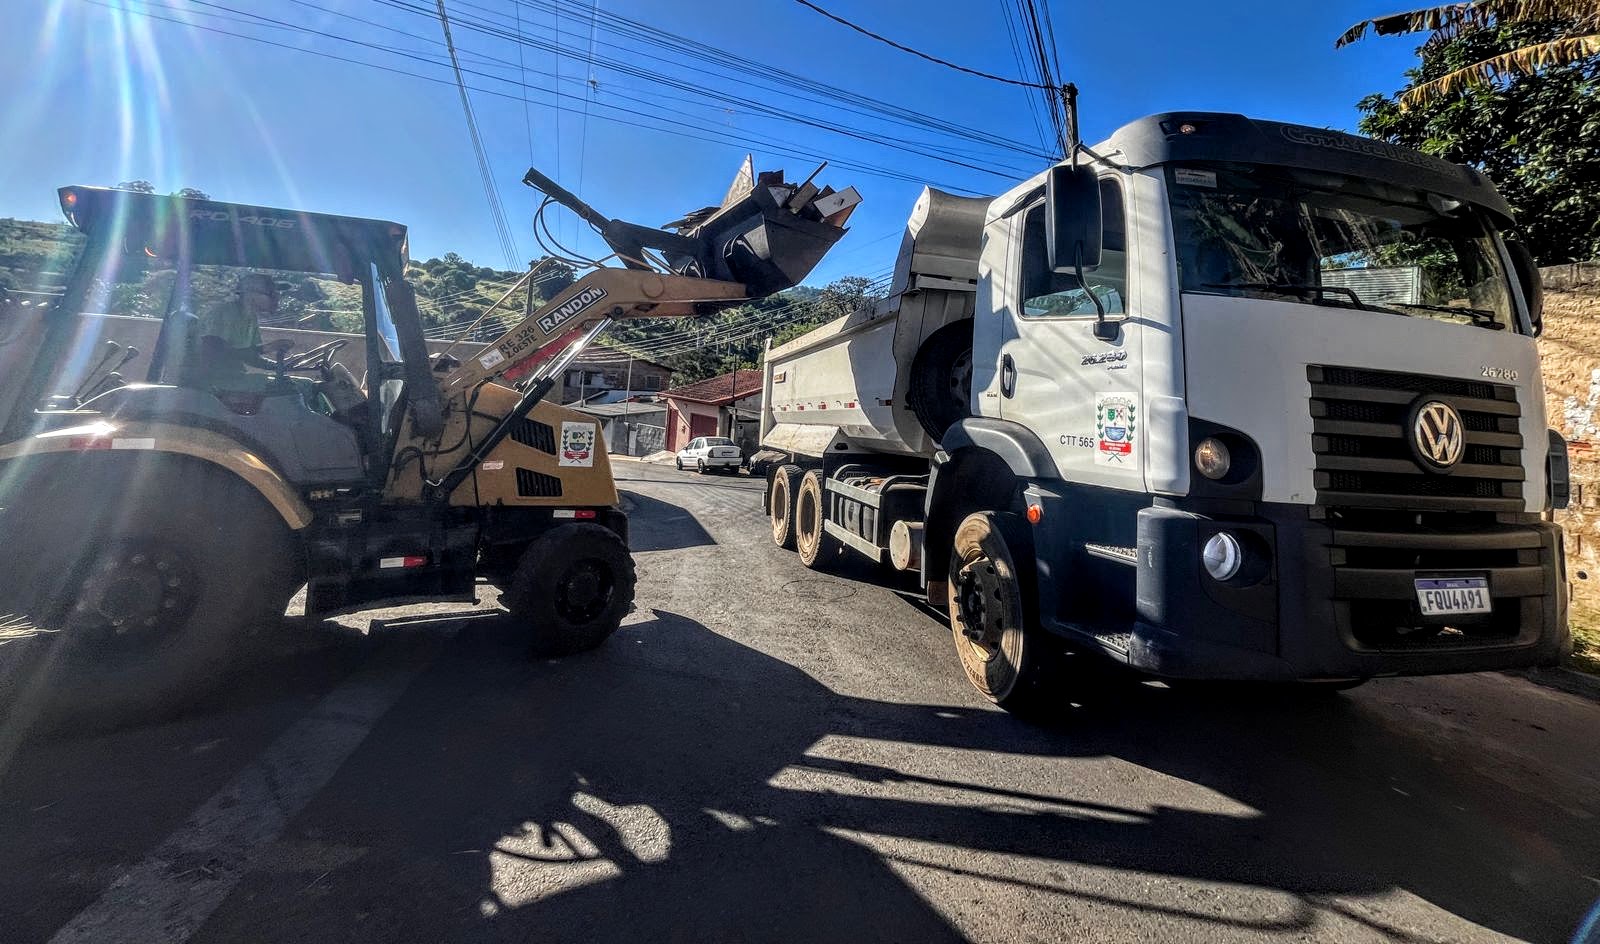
1438 435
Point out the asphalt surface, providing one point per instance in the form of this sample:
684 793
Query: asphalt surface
767 753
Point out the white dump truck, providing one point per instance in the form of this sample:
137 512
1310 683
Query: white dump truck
1220 398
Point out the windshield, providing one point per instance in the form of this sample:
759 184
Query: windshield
718 441
1336 241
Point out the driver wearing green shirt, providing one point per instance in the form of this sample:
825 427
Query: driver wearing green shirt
230 331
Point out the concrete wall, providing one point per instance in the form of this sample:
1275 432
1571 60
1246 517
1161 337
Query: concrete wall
141 333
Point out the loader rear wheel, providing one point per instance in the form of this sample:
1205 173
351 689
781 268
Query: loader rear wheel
142 600
817 547
1004 657
780 502
572 587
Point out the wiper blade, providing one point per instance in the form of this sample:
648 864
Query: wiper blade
1479 316
1293 288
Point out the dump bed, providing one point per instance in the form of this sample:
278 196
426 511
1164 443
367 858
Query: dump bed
847 380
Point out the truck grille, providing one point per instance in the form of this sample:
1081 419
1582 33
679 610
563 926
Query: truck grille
1361 438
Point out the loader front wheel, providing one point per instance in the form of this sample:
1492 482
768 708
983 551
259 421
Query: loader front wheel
572 587
141 602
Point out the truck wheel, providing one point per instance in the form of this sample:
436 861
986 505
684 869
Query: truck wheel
939 390
572 588
781 502
817 547
146 598
1003 656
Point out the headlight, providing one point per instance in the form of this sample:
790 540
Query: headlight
1222 556
1211 458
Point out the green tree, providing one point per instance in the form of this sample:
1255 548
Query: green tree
1575 39
1535 134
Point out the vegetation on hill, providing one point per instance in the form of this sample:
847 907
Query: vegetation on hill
452 293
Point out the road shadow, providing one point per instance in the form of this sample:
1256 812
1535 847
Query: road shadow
670 527
668 787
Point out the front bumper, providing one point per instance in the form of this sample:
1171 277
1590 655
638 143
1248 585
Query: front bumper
1337 598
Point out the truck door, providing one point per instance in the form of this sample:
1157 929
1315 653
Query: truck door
1081 395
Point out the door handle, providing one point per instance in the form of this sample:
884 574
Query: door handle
1008 376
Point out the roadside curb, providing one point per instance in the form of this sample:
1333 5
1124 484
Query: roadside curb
1563 679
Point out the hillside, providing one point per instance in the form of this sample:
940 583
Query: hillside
452 293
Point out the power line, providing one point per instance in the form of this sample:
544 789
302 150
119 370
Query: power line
670 126
764 74
693 132
917 52
490 191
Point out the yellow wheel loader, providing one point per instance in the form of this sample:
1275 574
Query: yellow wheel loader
150 527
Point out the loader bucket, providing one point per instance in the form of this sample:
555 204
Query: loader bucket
769 246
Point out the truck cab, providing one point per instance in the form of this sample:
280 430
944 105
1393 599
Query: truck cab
1247 400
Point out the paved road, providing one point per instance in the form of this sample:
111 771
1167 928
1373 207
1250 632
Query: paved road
765 753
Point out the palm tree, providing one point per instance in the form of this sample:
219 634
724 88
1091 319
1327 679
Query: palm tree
1578 40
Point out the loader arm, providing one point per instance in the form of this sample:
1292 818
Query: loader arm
765 237
601 294
432 467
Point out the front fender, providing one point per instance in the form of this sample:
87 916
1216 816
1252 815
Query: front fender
201 444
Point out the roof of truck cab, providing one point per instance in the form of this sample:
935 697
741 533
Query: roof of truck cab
213 232
1221 137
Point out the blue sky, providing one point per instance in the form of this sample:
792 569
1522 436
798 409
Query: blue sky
100 92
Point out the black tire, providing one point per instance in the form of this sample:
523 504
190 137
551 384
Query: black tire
149 584
678 463
700 466
572 587
939 391
816 546
1004 656
780 503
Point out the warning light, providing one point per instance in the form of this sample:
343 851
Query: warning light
71 199
1187 128
1035 514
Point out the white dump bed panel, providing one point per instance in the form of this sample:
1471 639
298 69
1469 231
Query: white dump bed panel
847 383
849 376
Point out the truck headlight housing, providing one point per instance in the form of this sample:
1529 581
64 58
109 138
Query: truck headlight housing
1212 458
1223 556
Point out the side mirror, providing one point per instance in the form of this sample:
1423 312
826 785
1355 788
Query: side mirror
1073 227
1528 278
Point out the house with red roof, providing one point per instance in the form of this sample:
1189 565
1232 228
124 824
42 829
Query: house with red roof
726 405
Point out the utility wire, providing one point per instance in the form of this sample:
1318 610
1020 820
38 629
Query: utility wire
492 193
917 52
666 126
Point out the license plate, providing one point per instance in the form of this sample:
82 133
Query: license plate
1450 596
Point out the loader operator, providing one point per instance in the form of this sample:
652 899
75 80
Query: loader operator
230 331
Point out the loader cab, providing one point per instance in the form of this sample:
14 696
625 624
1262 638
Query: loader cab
287 330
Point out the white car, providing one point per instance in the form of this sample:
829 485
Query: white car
710 452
